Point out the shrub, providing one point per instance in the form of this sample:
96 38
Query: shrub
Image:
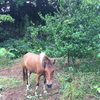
72 31
16 47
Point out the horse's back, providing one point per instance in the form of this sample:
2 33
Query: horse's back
31 61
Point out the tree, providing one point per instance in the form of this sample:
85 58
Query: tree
70 29
23 12
73 31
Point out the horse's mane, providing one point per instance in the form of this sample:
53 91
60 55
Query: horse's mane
43 58
42 55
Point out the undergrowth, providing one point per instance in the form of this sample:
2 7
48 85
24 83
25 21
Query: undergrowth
81 82
6 62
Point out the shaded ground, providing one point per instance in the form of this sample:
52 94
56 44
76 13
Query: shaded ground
18 93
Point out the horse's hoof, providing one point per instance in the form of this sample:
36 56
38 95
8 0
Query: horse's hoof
45 92
28 87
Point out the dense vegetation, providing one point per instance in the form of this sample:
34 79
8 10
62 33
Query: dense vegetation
61 28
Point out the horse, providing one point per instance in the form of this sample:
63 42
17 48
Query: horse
39 64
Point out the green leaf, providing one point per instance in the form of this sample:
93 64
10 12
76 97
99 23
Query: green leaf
98 56
98 90
2 51
6 18
29 97
11 55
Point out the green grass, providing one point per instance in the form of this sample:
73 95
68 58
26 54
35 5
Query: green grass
5 62
9 82
79 83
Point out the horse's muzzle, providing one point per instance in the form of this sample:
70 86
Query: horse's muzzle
49 85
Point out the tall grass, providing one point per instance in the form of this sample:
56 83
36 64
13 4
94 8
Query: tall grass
78 83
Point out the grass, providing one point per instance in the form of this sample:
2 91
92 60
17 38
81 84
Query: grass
5 62
79 83
8 82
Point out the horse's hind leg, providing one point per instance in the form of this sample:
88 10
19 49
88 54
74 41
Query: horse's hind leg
24 73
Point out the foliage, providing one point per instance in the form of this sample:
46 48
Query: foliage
72 32
4 18
15 48
5 53
18 9
83 84
97 88
70 29
2 52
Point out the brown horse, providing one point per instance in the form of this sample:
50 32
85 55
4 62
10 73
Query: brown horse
39 64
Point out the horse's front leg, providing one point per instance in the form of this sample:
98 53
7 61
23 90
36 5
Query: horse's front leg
37 83
44 86
28 81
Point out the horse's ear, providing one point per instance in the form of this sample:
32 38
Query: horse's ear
53 61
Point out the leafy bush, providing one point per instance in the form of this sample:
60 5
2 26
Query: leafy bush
70 32
15 47
4 18
2 52
5 53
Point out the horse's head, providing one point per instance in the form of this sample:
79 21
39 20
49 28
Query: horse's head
49 70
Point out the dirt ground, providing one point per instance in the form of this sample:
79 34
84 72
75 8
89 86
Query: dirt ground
19 92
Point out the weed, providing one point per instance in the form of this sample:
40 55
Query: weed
84 82
2 88
40 96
